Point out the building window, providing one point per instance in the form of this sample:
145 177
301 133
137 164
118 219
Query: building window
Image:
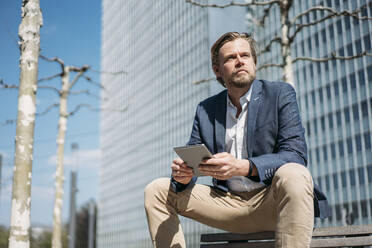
325 154
364 108
336 90
367 42
367 141
338 212
369 172
330 121
328 186
361 77
335 182
320 92
363 206
347 22
361 175
344 85
339 28
338 117
328 90
315 126
341 148
355 112
324 37
358 142
352 177
347 114
317 155
354 206
333 150
349 143
322 123
349 50
358 46
308 128
343 179
313 97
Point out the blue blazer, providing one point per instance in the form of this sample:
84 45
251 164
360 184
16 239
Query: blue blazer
274 133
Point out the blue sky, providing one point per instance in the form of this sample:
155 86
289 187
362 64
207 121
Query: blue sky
71 31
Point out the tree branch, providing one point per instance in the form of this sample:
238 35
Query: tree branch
266 13
7 86
89 79
109 72
333 13
268 46
232 3
333 57
76 78
50 88
269 65
50 78
87 92
78 107
203 81
54 59
47 109
8 122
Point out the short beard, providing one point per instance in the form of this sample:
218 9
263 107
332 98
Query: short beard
242 80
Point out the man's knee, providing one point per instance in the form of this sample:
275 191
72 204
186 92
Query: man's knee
155 190
294 178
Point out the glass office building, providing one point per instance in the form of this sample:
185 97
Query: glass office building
163 46
335 100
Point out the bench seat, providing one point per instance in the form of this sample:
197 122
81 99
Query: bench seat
343 236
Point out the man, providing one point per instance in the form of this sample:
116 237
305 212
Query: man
259 164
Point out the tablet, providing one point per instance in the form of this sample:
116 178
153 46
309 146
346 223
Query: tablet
193 155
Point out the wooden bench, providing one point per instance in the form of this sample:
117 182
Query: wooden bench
344 236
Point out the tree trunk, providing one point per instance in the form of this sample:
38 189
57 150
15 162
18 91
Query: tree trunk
285 5
29 34
59 176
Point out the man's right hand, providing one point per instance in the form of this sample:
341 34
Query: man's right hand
181 172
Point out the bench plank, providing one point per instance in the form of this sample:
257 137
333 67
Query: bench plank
216 237
342 231
270 244
322 237
341 242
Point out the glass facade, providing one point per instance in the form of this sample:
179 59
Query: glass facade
335 100
163 46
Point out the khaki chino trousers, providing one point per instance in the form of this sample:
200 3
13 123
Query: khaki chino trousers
286 207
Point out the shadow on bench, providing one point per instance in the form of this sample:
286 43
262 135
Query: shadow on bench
344 236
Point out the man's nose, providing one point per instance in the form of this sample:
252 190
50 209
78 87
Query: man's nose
239 61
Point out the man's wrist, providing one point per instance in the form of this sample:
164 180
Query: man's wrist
252 172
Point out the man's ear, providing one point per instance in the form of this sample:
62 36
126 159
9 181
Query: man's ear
216 71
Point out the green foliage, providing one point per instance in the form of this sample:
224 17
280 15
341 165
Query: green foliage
4 237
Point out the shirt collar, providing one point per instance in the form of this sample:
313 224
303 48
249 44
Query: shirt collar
244 99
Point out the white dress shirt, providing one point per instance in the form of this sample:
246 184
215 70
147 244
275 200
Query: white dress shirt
235 141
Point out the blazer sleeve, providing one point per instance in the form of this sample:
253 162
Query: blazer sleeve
290 143
194 139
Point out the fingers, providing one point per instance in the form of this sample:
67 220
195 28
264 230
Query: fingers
180 169
218 159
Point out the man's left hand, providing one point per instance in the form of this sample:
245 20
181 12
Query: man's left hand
223 166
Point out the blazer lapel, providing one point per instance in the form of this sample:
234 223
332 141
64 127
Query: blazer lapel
220 123
253 107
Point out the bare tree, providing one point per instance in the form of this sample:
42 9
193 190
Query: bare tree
63 94
290 28
29 34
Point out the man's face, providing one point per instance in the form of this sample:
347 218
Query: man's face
236 65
